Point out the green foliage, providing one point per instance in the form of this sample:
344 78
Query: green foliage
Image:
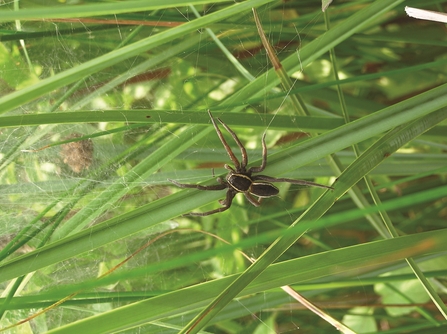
102 103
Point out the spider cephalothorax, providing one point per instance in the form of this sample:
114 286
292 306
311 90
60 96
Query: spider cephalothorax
240 179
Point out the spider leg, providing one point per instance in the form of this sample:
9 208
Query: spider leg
252 200
225 144
226 205
220 186
293 181
264 158
238 142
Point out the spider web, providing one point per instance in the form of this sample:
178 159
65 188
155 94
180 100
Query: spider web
52 173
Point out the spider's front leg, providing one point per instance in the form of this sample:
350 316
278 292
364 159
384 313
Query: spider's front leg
230 153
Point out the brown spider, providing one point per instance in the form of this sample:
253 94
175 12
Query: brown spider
240 179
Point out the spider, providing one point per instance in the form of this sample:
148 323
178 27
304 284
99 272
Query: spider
240 179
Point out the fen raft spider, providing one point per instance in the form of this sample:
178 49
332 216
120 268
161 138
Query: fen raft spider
240 179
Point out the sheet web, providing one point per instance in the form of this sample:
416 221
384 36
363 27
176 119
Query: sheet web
53 174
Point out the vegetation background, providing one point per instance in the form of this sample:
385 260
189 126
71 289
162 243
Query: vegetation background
103 102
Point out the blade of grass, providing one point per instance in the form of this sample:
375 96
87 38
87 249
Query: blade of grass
386 221
45 86
300 109
152 62
143 116
335 262
247 75
87 10
314 50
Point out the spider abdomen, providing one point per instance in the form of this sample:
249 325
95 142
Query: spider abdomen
263 189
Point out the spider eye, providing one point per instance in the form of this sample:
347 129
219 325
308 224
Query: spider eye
264 189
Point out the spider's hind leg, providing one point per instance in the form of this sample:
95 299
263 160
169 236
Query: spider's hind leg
252 200
292 181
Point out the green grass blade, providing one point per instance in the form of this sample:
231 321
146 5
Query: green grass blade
334 262
87 10
45 86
